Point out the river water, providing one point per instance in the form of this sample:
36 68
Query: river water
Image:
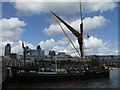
112 82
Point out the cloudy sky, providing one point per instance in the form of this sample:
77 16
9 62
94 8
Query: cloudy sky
34 24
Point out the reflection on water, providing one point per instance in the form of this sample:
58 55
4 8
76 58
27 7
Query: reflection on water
111 82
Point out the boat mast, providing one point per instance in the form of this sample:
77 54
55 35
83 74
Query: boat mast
81 31
81 12
78 34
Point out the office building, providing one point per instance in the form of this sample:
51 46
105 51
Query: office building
7 50
35 52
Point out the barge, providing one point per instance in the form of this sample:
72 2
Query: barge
51 77
85 74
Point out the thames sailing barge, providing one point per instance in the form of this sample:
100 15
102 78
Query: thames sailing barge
44 76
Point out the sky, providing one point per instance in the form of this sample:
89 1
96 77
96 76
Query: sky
33 23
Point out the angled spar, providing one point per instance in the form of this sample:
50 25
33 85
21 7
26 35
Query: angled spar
76 33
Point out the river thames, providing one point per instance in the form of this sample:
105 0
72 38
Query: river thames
111 82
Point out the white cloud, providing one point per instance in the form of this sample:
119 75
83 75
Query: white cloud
99 6
50 43
93 46
89 24
94 42
11 29
63 41
30 8
17 47
58 48
95 22
116 51
45 45
52 29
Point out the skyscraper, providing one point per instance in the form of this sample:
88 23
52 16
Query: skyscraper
7 50
38 47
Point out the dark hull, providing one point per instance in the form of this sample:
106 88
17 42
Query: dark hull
34 77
